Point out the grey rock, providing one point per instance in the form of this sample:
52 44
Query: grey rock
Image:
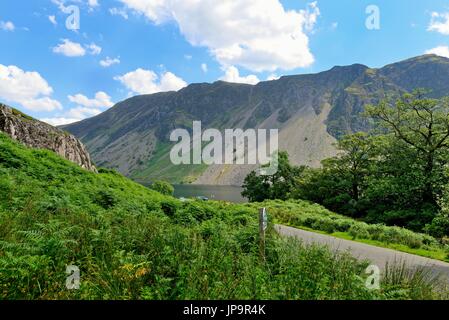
39 135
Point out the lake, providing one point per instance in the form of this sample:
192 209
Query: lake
226 193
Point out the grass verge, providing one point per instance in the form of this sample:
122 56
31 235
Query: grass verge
313 217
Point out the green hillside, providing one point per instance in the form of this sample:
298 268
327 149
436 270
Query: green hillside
160 167
132 243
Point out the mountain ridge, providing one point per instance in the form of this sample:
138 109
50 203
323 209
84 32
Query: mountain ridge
132 136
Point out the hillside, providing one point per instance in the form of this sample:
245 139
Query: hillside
37 134
311 111
133 243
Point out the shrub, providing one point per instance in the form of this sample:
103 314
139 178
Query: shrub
211 228
439 227
359 231
170 206
324 224
303 214
343 225
391 235
376 231
105 198
163 187
200 212
108 171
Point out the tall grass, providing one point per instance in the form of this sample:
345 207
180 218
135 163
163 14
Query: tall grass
419 283
133 243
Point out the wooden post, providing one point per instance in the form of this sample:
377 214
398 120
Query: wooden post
262 228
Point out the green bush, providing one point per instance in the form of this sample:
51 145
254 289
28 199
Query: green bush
197 210
324 224
375 231
170 207
439 227
359 231
304 214
343 225
163 187
105 199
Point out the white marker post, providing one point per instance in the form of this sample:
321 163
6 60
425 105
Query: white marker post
263 225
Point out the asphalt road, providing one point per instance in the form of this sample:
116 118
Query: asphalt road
378 256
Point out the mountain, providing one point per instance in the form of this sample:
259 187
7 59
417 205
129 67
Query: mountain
39 135
312 111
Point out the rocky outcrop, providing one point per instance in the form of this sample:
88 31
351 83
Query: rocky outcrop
37 134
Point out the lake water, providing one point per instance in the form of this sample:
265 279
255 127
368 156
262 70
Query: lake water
226 193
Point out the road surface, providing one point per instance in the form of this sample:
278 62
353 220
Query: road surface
377 255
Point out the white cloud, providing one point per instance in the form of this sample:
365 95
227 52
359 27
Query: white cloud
85 108
442 51
60 4
94 49
74 49
439 23
41 104
119 12
204 67
101 100
69 49
59 121
188 57
232 74
92 3
143 81
258 35
73 115
109 62
26 88
82 113
52 19
7 25
272 77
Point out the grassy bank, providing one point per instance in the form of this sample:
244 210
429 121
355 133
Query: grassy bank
313 217
133 243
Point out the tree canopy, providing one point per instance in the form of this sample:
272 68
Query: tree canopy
396 174
280 185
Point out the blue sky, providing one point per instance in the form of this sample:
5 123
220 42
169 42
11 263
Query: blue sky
128 47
